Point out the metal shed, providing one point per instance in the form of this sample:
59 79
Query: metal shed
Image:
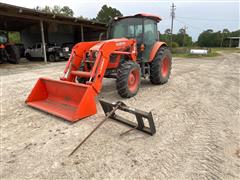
36 26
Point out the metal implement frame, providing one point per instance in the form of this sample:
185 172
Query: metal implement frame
108 107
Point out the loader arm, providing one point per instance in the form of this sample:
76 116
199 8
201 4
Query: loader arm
103 50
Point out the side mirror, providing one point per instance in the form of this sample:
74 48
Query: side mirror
102 36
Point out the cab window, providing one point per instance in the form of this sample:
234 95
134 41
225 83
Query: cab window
150 31
129 28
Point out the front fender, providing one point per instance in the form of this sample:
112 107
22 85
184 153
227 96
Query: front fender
155 48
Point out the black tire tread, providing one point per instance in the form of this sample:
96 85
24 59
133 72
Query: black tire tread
122 79
155 74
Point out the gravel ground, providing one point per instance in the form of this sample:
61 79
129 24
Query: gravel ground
196 116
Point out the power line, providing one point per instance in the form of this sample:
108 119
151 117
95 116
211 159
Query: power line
194 27
207 19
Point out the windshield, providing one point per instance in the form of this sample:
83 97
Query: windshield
129 28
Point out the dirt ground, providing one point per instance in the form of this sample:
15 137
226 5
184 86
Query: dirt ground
196 116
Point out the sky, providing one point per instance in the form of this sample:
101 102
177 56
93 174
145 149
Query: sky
196 15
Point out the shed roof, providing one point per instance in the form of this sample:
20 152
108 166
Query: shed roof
16 18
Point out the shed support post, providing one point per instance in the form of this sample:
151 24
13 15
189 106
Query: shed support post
43 41
82 34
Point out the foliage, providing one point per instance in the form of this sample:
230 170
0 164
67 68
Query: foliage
183 52
107 13
187 55
167 31
209 38
175 45
181 38
58 10
83 18
14 37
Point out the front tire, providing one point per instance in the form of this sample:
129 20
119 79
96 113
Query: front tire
28 57
57 57
51 57
160 67
128 79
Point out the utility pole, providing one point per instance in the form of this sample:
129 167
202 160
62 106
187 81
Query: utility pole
222 40
173 8
184 33
43 41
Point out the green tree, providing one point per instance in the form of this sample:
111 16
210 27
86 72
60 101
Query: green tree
209 38
14 37
167 31
182 38
225 33
175 45
182 31
205 38
66 11
83 18
58 10
107 13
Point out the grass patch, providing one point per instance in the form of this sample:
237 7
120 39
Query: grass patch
187 55
231 50
213 52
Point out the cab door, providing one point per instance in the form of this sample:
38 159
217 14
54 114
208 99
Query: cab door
39 50
150 36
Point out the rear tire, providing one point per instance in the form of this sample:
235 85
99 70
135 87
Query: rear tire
160 67
128 79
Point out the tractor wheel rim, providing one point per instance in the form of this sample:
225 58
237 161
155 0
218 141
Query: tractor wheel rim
165 66
133 80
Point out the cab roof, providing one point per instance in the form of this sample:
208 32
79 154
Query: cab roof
150 16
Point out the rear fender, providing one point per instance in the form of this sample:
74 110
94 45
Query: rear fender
155 48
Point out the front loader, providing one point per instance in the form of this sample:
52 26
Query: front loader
132 51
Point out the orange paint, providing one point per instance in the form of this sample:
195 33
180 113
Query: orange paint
74 101
155 48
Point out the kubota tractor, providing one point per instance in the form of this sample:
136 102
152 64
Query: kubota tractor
132 51
8 51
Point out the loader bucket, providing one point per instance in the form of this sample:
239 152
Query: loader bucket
64 99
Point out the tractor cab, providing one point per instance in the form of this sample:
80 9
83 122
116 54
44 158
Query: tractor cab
142 27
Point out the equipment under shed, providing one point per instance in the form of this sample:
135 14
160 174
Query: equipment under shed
36 26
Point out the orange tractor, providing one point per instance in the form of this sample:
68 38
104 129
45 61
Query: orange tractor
132 51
